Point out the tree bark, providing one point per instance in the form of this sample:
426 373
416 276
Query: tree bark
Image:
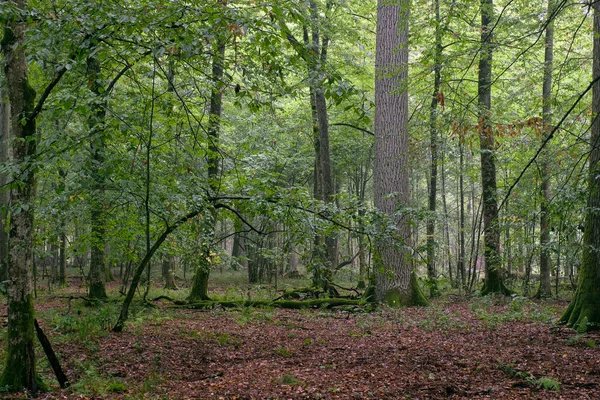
97 289
199 290
4 193
395 281
584 311
493 277
20 368
462 255
433 139
168 272
545 289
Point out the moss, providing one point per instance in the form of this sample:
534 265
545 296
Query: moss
19 372
395 298
494 284
98 291
8 37
583 313
200 285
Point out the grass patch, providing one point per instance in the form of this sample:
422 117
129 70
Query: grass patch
290 380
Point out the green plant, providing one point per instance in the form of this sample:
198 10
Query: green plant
575 340
117 387
290 380
547 383
284 352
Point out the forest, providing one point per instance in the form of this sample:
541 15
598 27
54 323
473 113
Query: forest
308 199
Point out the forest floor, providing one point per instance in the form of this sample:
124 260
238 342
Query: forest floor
478 348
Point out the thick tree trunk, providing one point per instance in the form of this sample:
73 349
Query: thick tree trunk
545 289
168 272
584 311
97 288
493 277
20 369
395 281
4 194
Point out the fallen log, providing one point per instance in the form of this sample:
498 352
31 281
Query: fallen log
291 304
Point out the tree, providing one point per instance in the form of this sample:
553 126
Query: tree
583 312
395 281
433 117
493 277
20 368
4 143
96 119
199 289
545 289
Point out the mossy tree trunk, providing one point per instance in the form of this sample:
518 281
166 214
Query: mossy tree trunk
493 276
20 369
584 311
433 117
4 195
395 281
545 289
199 289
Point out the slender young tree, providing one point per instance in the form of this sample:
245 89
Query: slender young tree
433 120
584 311
493 277
199 289
97 289
4 195
545 289
395 281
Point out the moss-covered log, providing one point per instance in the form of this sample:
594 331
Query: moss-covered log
312 303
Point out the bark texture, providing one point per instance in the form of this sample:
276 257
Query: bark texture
395 282
493 277
20 369
545 289
584 311
433 116
4 194
199 289
96 120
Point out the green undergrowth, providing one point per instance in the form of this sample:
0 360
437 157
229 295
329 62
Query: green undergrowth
495 310
526 378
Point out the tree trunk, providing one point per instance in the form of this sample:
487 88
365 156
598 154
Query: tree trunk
433 117
493 277
584 311
325 246
461 257
545 289
4 193
168 272
395 282
199 289
20 368
96 120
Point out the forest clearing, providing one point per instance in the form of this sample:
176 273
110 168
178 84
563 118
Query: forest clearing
458 348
